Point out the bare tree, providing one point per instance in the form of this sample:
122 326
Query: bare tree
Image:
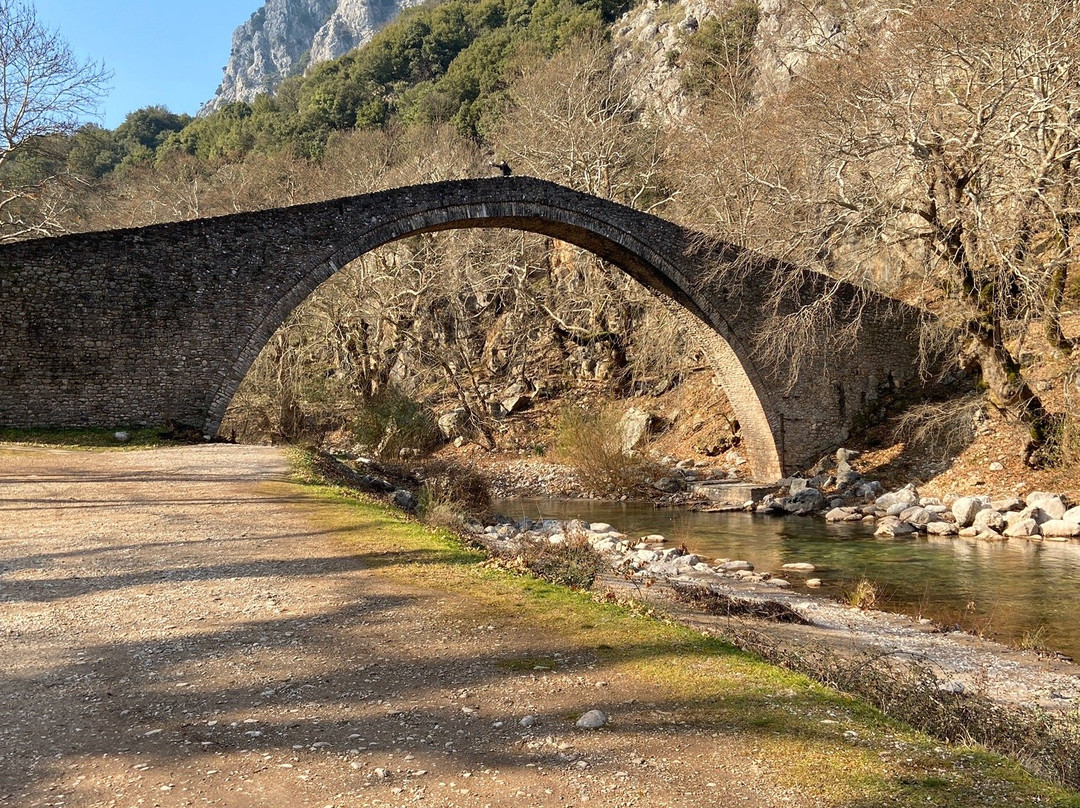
574 119
934 156
45 90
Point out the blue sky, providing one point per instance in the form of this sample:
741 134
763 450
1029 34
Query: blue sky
168 53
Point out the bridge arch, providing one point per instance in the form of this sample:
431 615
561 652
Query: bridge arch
611 241
161 323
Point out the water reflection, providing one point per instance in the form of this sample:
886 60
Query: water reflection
1013 591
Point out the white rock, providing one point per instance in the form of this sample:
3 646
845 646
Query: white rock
1072 515
528 721
907 495
845 514
996 466
594 719
779 583
1034 512
968 532
891 526
735 566
989 518
941 528
1022 529
1059 529
800 566
688 560
965 508
1053 507
813 583
1007 504
916 515
601 527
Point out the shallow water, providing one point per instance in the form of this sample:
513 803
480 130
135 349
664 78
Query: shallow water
1015 592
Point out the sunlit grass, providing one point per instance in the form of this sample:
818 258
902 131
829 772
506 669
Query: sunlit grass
831 748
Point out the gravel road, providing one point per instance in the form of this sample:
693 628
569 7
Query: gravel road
177 629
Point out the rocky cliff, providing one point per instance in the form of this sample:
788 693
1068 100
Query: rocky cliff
285 37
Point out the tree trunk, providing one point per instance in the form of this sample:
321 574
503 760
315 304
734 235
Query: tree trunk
1055 295
1008 391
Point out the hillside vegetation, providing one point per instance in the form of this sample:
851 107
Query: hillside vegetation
923 149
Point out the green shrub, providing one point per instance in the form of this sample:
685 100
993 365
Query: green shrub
391 421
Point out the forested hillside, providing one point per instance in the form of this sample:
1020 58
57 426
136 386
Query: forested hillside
925 149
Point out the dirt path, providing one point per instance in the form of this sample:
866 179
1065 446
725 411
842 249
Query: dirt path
175 629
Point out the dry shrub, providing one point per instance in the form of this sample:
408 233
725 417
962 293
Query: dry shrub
589 441
1062 446
863 595
941 429
1069 440
719 603
450 492
573 562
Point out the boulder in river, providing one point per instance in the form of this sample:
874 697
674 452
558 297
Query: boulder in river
1059 529
735 566
806 501
916 515
1050 504
1022 529
989 518
907 495
893 527
844 514
941 528
1007 504
965 508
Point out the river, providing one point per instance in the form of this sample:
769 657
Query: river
1016 592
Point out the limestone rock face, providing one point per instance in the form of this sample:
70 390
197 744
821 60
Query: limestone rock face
285 37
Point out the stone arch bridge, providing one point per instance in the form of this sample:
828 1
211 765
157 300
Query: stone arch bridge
154 324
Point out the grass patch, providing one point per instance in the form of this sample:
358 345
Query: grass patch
831 748
143 438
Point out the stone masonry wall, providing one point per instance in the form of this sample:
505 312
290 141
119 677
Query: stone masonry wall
156 324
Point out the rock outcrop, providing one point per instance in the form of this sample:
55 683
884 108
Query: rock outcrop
286 37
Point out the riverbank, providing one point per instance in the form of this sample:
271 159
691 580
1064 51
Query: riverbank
192 625
950 683
947 682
